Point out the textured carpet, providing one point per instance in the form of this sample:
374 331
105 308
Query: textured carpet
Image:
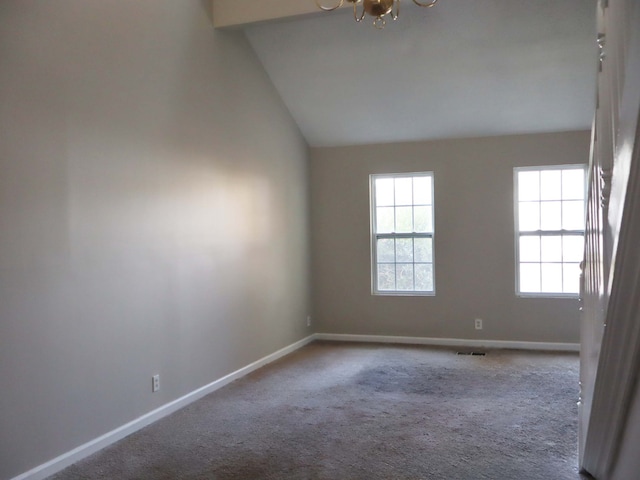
345 411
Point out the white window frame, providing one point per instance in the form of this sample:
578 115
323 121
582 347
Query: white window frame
542 232
375 236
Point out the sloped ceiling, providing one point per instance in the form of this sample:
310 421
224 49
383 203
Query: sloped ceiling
463 68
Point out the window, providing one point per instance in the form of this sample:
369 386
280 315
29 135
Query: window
550 222
402 234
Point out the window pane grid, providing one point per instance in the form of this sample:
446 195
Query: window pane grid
407 263
550 212
402 224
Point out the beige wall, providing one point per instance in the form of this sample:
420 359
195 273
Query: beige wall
153 216
474 240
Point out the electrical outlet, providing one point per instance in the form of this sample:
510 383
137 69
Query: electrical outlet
478 324
155 384
308 320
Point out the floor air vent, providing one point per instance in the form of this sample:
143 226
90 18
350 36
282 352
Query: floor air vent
475 354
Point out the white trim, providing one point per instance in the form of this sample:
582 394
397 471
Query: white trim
66 459
519 234
375 235
450 342
616 377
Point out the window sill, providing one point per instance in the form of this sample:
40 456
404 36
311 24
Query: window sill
570 296
403 294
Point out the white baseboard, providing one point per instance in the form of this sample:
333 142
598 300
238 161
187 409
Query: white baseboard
450 342
89 448
63 461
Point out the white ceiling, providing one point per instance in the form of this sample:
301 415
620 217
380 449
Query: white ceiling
463 68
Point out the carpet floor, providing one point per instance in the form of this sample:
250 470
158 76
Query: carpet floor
354 411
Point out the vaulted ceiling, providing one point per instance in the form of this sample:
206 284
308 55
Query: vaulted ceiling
463 68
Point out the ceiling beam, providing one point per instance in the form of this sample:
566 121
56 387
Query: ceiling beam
236 13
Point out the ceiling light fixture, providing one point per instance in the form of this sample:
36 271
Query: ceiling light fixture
378 9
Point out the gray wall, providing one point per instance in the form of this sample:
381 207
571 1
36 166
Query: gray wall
153 216
474 240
